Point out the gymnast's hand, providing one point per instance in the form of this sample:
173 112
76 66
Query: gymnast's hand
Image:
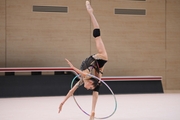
60 107
70 64
92 115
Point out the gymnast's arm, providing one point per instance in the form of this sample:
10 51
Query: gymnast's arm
95 96
69 94
94 101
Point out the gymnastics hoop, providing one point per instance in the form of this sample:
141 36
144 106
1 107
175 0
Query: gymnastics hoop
109 90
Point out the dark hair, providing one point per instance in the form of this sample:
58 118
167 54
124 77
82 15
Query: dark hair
95 81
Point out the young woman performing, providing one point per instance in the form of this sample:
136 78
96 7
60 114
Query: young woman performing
94 63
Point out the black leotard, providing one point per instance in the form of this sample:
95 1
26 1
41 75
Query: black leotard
92 62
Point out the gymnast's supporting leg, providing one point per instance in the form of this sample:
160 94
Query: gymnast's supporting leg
99 43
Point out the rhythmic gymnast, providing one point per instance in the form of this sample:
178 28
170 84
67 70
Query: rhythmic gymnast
93 64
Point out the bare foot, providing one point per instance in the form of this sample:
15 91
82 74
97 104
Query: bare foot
88 7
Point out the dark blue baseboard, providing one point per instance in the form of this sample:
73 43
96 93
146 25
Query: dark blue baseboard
59 85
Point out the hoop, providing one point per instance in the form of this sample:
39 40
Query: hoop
115 101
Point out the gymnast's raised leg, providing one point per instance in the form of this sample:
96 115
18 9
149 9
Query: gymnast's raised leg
96 33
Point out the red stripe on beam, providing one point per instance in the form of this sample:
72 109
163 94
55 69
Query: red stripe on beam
114 78
25 69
